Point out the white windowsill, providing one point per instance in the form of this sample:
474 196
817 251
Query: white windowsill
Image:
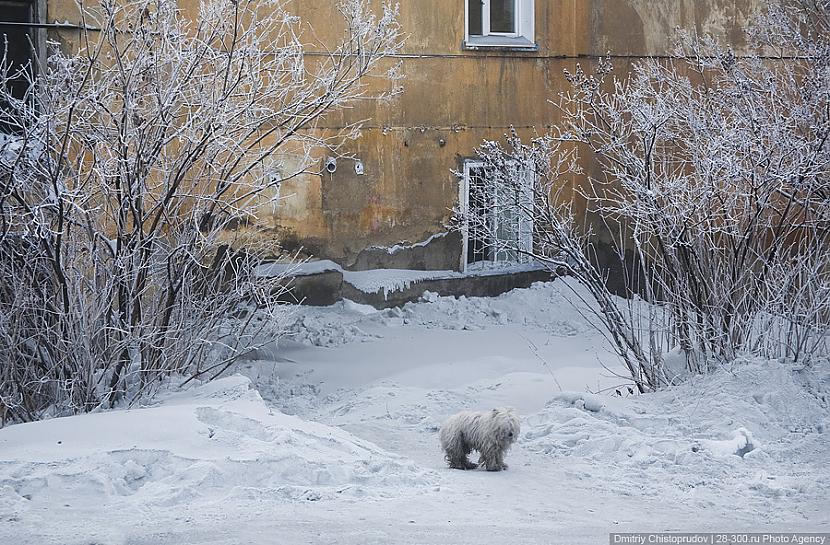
519 43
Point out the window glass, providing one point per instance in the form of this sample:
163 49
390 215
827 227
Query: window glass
503 16
476 13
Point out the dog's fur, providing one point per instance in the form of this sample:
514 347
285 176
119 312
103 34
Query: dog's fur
491 433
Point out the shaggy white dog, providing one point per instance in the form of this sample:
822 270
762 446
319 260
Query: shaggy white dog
489 432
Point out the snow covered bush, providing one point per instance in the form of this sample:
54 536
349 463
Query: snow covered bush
135 158
716 169
560 241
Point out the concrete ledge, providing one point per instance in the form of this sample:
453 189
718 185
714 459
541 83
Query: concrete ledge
318 289
325 283
470 286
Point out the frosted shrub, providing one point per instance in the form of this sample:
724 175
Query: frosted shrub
132 161
714 171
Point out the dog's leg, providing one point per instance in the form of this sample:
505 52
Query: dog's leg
461 462
490 461
491 465
456 453
468 464
500 460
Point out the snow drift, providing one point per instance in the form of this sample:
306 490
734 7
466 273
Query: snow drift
217 441
739 429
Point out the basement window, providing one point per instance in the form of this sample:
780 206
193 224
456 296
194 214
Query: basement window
501 24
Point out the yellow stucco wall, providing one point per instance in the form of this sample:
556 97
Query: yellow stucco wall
453 99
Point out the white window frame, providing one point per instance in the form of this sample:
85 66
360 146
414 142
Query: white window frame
525 225
522 39
485 19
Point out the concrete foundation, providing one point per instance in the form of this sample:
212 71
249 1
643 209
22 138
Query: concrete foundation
327 287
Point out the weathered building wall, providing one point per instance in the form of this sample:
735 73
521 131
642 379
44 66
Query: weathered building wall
453 98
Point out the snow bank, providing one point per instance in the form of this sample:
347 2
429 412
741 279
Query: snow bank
737 427
218 441
544 306
331 326
347 322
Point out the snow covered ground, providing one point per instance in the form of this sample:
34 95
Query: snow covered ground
333 439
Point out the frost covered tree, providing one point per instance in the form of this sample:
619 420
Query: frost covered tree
560 241
715 174
130 162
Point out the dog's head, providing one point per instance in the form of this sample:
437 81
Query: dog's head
506 424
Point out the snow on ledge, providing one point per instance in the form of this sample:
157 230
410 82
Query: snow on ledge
391 280
307 268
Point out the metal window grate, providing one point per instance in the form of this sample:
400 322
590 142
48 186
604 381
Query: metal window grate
498 222
479 217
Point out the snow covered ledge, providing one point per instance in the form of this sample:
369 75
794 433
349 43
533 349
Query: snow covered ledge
325 282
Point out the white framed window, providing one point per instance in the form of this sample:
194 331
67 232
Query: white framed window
495 232
500 24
